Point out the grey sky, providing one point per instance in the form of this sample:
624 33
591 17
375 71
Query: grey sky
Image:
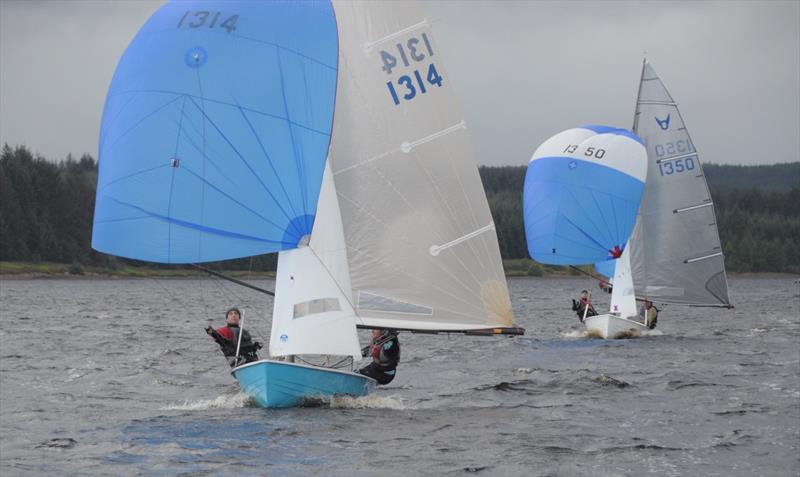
523 70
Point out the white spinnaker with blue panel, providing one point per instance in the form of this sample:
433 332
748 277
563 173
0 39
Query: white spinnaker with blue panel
582 192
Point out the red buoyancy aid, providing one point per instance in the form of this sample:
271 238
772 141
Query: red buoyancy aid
226 333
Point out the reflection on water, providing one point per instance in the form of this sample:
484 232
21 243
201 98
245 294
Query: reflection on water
117 377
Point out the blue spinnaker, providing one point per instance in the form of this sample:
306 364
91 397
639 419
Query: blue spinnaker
215 131
582 193
606 268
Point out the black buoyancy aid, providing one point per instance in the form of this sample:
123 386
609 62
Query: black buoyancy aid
389 358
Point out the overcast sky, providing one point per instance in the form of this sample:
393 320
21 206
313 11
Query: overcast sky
522 70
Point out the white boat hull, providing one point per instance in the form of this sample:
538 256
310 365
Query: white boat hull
610 326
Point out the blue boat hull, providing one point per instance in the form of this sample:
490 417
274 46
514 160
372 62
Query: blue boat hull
275 384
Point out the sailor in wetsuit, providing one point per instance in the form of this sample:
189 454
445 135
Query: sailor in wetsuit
385 353
227 338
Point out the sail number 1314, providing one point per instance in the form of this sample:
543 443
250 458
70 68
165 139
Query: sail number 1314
414 53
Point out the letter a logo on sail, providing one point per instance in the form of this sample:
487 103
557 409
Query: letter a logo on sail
663 124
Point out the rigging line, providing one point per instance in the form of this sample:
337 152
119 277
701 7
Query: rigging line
264 42
593 195
103 130
172 295
244 161
274 171
347 295
175 164
297 153
585 234
243 302
143 119
589 274
234 280
225 103
589 219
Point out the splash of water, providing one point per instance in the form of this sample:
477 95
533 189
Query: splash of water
581 334
233 401
370 401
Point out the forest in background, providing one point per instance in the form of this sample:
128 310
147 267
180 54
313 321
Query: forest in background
46 214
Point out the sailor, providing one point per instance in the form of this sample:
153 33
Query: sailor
648 314
584 306
606 286
385 353
227 338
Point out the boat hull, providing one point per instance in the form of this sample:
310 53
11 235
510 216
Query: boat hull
612 326
277 384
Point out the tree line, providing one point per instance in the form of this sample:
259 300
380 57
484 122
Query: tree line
46 213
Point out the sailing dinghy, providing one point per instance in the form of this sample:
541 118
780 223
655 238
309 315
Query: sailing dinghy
582 193
675 252
325 132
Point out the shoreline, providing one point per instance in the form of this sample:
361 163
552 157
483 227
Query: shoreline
514 268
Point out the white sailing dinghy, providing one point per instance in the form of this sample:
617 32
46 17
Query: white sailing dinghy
326 132
582 193
675 252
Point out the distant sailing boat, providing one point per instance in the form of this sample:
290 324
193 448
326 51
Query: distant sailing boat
676 256
326 132
582 193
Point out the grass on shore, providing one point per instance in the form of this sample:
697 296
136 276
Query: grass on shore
61 270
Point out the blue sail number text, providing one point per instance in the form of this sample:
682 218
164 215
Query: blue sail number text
208 19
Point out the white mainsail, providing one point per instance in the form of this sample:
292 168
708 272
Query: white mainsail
676 256
421 245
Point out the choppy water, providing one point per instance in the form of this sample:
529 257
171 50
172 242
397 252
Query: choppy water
117 377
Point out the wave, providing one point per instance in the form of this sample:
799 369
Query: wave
233 401
370 401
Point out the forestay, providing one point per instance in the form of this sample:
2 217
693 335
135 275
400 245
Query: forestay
215 131
582 192
421 244
676 254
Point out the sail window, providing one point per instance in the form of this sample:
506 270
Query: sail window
314 307
373 302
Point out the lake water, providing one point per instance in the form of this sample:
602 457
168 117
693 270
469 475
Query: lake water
117 377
